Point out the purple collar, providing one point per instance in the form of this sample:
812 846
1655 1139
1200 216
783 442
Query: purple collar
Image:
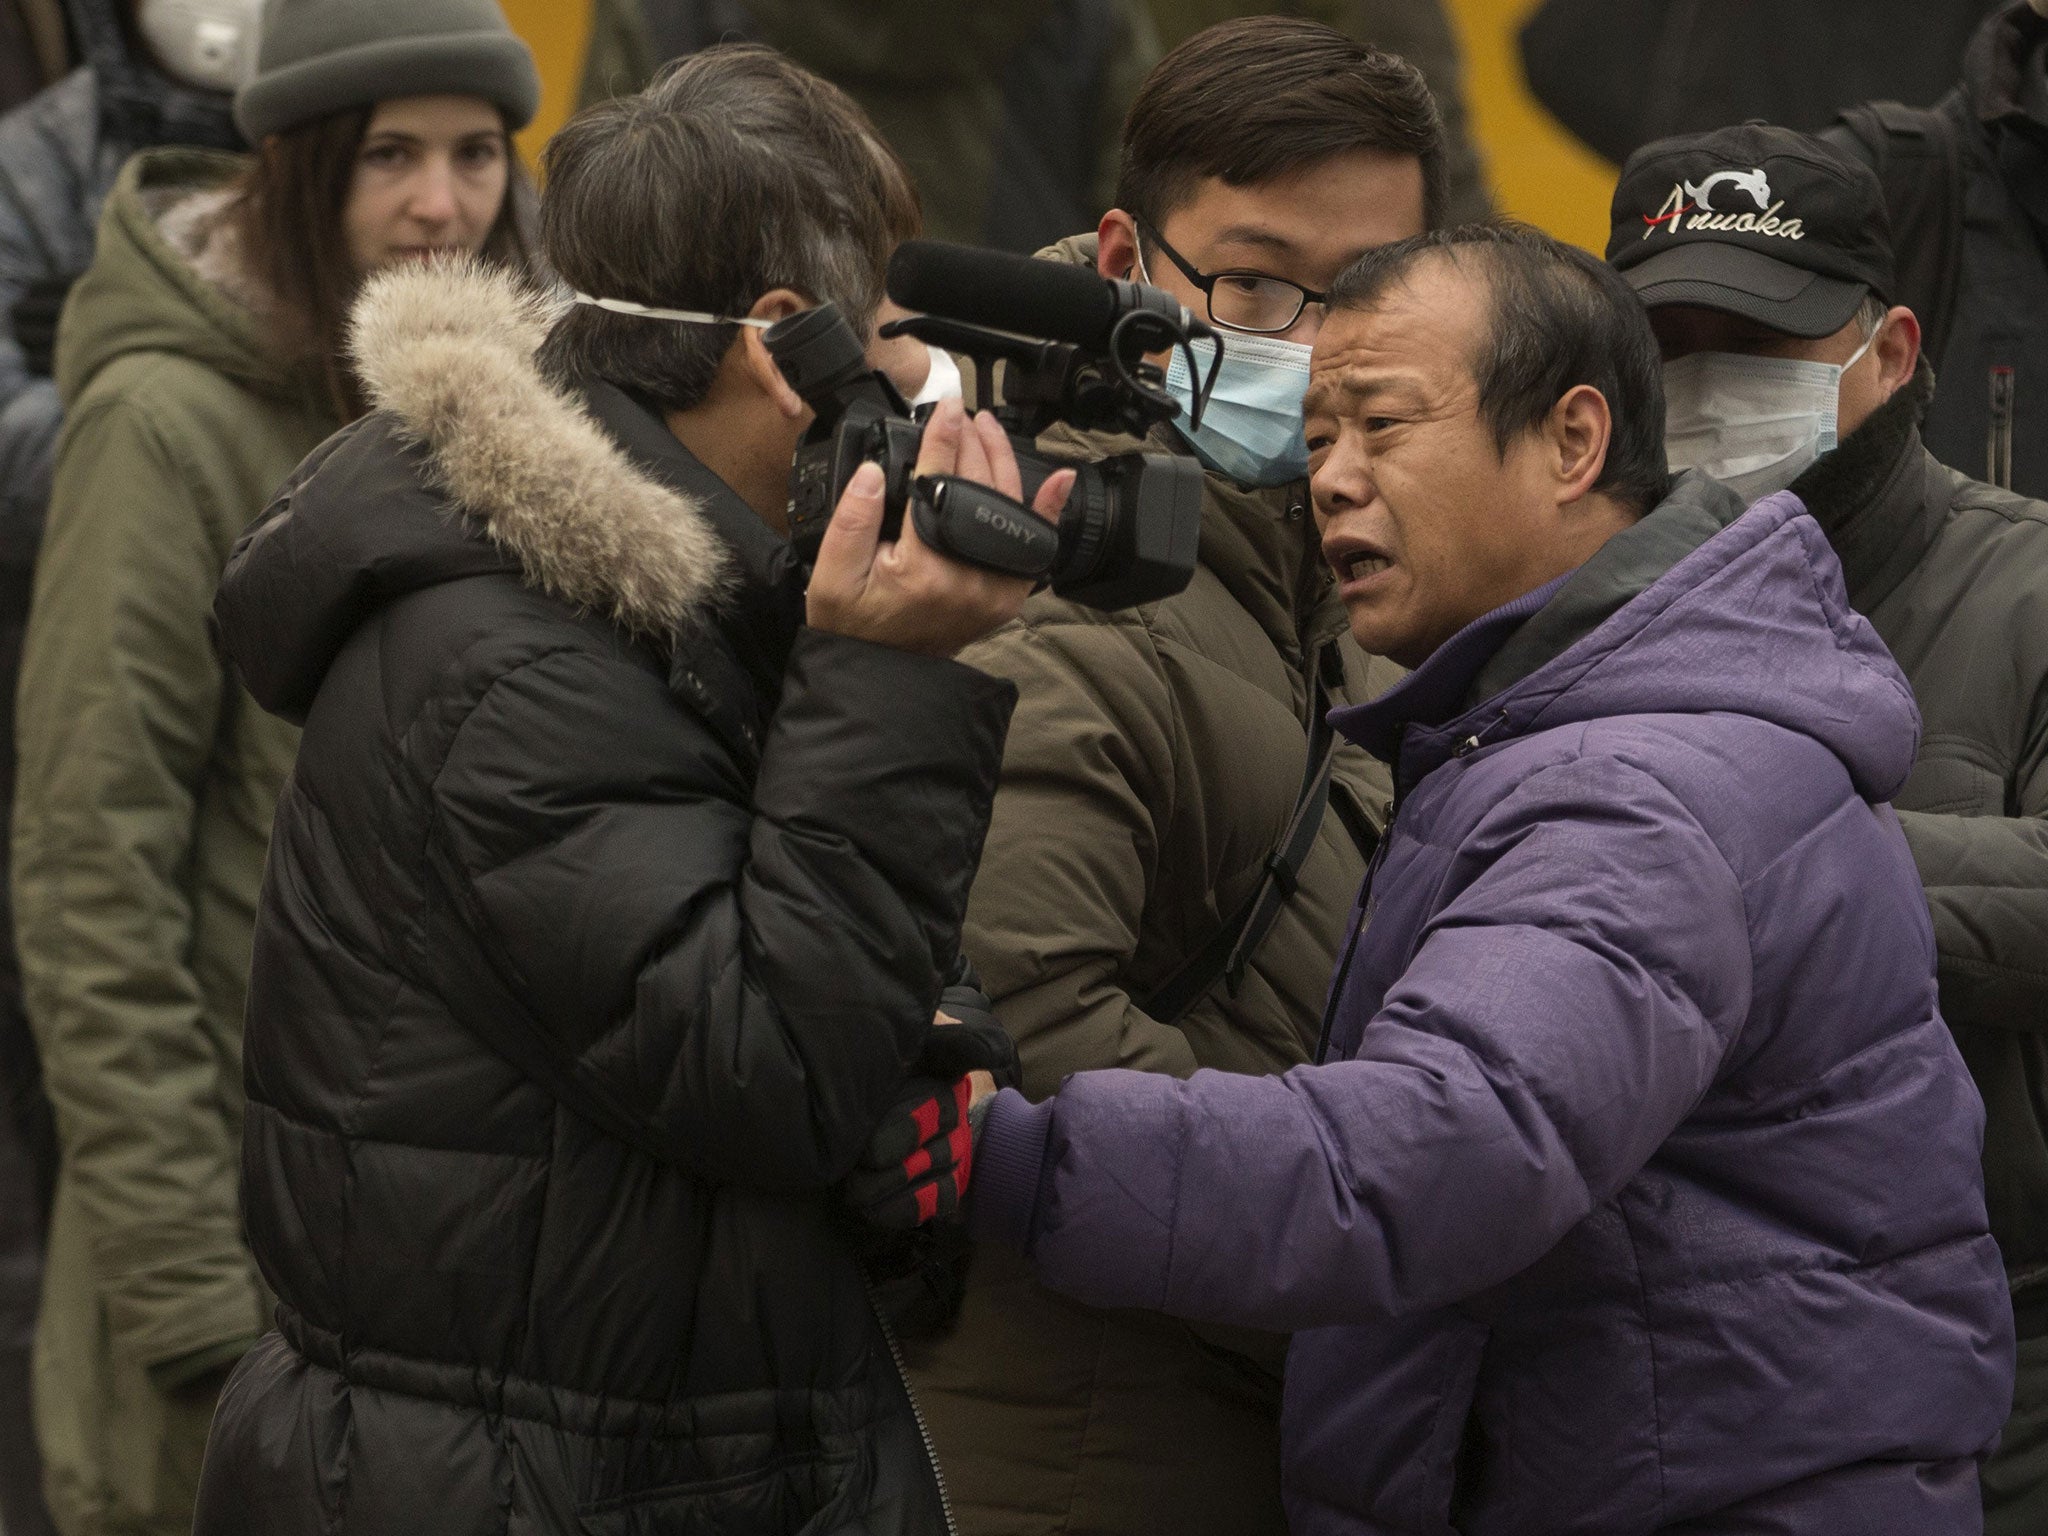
1435 691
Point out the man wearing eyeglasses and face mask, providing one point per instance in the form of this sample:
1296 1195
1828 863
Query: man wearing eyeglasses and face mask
1766 261
1124 914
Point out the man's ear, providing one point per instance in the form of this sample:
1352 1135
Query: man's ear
1116 245
1578 433
761 367
1898 350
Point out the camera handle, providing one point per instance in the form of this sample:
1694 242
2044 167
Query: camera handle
971 523
1055 381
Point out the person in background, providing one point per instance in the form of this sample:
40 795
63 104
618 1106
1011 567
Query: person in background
1636 1186
1786 365
1620 74
1966 186
34 52
153 73
620 874
1419 31
1159 760
1005 114
200 359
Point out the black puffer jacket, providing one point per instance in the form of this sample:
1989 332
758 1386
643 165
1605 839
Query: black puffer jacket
586 963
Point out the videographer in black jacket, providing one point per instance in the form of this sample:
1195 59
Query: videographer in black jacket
609 905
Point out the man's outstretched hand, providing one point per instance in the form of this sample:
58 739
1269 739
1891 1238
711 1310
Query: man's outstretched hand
917 1164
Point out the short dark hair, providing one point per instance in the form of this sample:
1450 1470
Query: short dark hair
1253 99
735 172
1559 318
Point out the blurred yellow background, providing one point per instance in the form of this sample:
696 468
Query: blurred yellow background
557 31
1539 173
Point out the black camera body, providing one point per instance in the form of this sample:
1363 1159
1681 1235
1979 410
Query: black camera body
1129 532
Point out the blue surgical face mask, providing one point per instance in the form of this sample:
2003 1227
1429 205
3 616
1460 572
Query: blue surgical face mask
1251 428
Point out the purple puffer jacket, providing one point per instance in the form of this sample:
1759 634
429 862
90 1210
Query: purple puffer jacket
1639 1188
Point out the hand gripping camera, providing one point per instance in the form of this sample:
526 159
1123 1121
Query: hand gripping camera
1129 532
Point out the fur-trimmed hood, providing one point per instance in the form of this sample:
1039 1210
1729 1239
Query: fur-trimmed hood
448 350
471 462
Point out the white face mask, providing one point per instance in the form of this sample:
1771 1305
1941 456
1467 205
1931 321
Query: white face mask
942 382
1753 423
210 44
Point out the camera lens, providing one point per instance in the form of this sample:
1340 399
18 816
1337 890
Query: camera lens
1084 527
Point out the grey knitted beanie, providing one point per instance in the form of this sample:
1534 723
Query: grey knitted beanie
318 57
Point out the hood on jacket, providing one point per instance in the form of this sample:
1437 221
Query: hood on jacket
166 277
1682 615
465 424
2002 74
141 107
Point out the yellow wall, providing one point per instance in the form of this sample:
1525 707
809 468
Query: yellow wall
558 31
1539 172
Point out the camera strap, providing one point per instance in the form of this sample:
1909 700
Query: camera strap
1229 951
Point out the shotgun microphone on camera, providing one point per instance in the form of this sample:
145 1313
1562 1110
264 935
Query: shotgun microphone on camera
1028 297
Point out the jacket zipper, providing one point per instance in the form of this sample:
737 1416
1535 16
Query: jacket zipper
1998 443
931 1454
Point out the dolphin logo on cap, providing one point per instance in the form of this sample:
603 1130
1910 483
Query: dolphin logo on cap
1753 182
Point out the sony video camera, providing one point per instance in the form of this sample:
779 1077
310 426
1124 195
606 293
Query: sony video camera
1128 534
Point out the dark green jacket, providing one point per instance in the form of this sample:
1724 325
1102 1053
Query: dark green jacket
143 805
1953 574
1152 764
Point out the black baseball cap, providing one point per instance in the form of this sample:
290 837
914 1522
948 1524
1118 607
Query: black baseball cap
1762 222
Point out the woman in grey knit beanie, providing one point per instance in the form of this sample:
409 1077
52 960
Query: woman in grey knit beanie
382 132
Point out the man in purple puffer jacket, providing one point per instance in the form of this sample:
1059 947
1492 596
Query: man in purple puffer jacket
1637 1186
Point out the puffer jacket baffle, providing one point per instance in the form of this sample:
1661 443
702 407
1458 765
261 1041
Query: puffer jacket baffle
606 909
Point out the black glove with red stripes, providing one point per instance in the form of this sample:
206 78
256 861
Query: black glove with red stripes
918 1161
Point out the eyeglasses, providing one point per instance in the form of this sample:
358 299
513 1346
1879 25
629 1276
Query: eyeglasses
1251 302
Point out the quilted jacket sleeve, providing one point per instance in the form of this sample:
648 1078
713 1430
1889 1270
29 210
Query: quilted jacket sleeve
47 203
732 974
1555 1025
1987 887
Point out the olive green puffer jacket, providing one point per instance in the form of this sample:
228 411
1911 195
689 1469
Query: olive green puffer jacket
1152 765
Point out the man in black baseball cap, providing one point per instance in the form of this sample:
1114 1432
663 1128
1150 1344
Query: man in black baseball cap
1765 259
1765 262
